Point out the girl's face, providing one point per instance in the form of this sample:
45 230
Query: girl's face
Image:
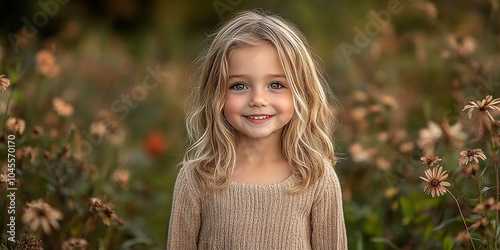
259 101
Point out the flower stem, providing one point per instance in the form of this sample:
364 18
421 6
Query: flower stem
463 219
494 149
6 111
496 218
477 187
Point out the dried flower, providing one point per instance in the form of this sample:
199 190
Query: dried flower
471 154
47 155
98 128
383 137
53 133
389 101
482 222
406 147
383 164
106 124
463 237
431 10
360 96
464 46
399 135
28 153
435 181
430 160
121 177
483 106
29 242
38 213
358 114
4 83
470 169
37 131
70 30
15 125
62 108
427 137
488 205
453 134
4 180
360 154
46 63
374 108
75 243
103 210
111 126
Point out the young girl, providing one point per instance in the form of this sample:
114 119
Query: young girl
259 172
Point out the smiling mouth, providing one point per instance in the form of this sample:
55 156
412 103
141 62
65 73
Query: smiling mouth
260 117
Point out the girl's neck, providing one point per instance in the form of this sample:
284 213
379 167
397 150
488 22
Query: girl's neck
258 152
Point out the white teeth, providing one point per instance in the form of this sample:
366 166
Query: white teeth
259 117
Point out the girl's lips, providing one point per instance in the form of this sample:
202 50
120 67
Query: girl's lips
258 121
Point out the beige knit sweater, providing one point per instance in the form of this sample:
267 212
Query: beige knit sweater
254 216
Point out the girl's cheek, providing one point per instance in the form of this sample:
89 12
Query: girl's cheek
231 101
285 101
232 104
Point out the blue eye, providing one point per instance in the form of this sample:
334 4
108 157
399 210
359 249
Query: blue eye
276 85
238 86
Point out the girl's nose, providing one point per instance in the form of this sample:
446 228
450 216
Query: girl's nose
258 98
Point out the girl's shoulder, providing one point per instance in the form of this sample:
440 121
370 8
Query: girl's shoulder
329 172
328 186
329 177
186 176
185 170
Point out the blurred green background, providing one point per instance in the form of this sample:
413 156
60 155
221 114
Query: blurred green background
122 70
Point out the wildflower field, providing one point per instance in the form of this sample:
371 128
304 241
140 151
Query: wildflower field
92 97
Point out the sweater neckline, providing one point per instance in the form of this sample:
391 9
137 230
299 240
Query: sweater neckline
242 184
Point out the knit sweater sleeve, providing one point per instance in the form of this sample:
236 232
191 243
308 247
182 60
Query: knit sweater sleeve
327 216
185 217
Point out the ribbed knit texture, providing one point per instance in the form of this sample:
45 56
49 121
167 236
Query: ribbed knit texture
253 216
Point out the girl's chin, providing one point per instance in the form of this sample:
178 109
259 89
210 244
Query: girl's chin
258 136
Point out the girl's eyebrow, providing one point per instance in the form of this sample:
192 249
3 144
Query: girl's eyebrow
268 75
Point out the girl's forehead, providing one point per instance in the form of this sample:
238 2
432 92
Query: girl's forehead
238 46
255 60
253 48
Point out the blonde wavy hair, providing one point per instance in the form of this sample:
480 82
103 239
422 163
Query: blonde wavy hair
307 140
